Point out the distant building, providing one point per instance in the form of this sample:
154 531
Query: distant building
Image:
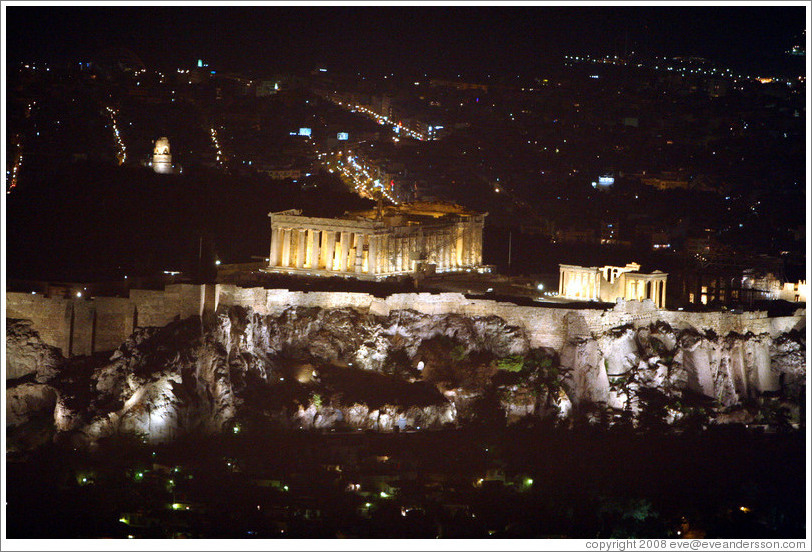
610 283
280 173
161 158
267 88
576 235
393 241
733 287
604 182
794 292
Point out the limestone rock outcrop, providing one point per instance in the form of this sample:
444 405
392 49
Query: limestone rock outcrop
27 354
29 415
346 368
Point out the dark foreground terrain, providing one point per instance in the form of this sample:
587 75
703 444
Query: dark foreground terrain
531 481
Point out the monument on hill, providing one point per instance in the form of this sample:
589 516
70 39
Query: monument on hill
395 240
161 158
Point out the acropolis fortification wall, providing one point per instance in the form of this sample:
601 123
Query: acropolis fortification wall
86 326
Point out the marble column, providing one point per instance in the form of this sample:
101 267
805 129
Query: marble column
471 244
384 267
359 253
478 251
315 248
329 250
598 286
300 250
372 255
388 260
662 306
285 247
464 245
274 256
404 254
345 250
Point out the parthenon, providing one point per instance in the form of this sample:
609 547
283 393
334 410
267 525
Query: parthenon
379 243
610 283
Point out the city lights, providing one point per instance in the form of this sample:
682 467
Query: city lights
15 168
121 150
216 142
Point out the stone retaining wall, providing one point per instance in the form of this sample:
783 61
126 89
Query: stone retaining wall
80 327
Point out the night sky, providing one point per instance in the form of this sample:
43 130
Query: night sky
416 39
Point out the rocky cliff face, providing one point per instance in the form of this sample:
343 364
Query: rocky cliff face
342 368
27 355
30 400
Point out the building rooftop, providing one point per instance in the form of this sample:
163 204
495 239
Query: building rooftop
417 209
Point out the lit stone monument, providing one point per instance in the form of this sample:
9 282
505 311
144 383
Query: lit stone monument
394 241
161 158
610 283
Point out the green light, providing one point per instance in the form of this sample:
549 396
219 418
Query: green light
286 488
139 475
236 429
384 495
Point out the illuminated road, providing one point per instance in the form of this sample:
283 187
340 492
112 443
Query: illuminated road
14 174
381 120
216 143
354 174
676 66
121 149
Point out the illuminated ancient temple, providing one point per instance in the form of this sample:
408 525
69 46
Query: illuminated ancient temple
161 157
610 283
379 243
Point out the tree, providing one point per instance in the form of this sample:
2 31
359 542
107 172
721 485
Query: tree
513 363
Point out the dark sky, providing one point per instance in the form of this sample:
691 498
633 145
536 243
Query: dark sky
482 39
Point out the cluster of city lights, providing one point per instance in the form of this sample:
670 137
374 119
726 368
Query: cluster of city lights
185 72
33 66
382 120
122 149
363 183
676 66
217 147
14 173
